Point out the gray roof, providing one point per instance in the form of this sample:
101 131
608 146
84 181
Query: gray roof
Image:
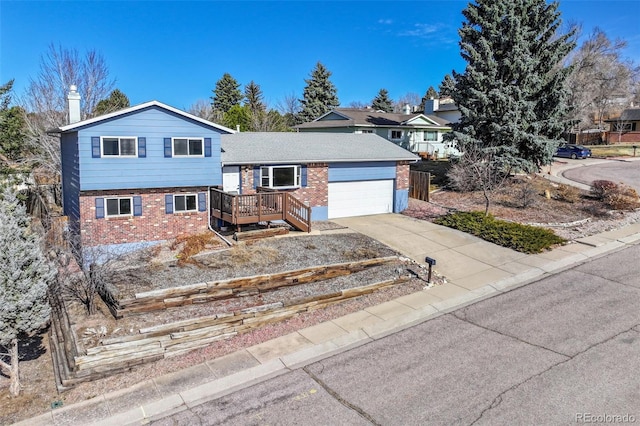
369 117
308 147
632 114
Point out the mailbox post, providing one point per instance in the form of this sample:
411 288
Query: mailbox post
431 262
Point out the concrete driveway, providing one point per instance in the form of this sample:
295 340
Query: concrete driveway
465 260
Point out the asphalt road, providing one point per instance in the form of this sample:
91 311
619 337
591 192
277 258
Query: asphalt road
563 350
616 171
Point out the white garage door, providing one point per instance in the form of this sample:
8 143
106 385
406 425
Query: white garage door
360 198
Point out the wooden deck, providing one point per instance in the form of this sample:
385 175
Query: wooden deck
260 207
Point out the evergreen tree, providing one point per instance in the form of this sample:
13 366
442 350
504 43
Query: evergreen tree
24 278
446 86
13 137
226 94
430 94
319 96
237 116
382 102
115 102
254 98
512 95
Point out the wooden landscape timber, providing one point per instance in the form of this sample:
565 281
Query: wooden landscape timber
120 354
236 287
260 233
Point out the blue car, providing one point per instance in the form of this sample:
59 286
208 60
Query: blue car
573 151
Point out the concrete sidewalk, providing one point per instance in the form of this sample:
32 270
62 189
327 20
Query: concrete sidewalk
475 269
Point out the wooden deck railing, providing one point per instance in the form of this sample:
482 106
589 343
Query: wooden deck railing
260 207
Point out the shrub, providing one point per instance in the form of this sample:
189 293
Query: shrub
568 193
523 238
600 188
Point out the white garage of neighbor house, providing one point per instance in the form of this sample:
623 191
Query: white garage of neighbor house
337 175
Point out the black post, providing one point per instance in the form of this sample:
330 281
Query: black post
431 262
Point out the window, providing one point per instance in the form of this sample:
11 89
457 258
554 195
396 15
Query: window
188 147
365 131
185 203
430 136
119 207
396 134
119 146
280 176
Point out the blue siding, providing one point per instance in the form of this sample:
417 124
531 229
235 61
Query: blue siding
400 200
154 171
70 176
347 172
319 213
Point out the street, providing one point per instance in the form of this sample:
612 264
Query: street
615 171
562 350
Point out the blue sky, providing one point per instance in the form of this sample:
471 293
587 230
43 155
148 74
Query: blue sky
175 51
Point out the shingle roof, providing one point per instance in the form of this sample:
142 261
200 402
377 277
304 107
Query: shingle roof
362 117
308 147
631 114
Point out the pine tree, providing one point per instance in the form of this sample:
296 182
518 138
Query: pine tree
254 98
13 134
512 95
226 94
24 278
115 102
446 86
319 96
382 102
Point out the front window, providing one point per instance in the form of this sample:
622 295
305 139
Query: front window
185 203
119 207
188 147
119 146
280 176
396 134
430 136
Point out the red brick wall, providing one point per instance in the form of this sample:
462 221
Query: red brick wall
402 175
627 137
316 193
153 225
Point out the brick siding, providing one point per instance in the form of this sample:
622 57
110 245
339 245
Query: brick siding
627 137
153 225
402 175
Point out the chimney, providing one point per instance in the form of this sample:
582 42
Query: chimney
431 105
407 109
74 104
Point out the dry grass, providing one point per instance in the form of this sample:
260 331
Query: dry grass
194 244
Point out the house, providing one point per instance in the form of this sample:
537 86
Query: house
416 132
626 128
148 173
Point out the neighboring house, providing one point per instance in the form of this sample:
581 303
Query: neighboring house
147 173
626 128
337 175
443 108
416 132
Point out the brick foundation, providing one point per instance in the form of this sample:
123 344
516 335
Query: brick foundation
153 225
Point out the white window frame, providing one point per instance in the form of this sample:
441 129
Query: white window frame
188 138
395 130
135 146
106 208
424 136
297 176
175 206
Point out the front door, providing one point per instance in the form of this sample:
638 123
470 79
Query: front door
231 179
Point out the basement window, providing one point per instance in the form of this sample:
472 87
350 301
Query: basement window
280 176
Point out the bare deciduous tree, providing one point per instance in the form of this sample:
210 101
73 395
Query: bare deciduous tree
45 97
411 98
